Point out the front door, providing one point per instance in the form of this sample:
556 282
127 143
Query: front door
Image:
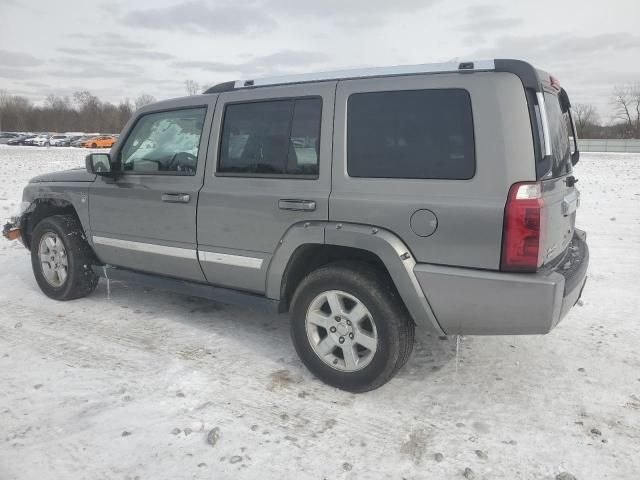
269 167
145 219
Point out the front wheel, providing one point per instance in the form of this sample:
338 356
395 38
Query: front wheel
349 326
62 259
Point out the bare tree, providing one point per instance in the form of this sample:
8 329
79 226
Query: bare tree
125 110
193 88
586 117
3 101
85 100
15 112
626 100
144 99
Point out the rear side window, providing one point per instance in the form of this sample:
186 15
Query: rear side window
559 133
411 134
277 137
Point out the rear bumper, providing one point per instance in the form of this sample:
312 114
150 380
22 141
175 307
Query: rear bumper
479 302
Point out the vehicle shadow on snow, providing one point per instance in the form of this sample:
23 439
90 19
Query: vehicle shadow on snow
249 326
264 332
431 353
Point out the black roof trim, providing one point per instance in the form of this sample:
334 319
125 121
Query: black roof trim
525 71
222 87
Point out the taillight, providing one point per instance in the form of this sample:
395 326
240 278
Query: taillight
523 228
554 82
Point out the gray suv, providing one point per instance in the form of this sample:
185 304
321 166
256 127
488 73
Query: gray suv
364 203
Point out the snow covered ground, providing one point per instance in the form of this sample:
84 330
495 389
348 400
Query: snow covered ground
131 386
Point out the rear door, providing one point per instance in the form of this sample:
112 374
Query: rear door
145 219
269 168
561 197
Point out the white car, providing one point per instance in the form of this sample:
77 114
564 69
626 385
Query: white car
59 141
41 140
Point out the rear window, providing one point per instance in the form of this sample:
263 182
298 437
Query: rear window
559 132
424 134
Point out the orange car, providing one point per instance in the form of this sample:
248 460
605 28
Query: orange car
99 142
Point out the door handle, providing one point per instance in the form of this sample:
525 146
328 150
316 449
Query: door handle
297 205
176 197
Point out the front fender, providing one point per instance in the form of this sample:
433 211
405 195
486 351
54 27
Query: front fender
57 195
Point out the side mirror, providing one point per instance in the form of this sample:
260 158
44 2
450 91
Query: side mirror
98 163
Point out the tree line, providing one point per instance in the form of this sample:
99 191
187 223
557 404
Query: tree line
625 101
84 112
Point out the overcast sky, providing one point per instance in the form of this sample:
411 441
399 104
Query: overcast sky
121 49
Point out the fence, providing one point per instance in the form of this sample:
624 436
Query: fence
609 145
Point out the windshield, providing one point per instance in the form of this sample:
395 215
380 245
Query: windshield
559 129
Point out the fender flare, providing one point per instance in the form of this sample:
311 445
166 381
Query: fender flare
298 235
393 253
58 195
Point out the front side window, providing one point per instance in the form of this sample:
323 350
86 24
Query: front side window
164 143
277 137
411 134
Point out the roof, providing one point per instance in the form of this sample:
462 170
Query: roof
448 67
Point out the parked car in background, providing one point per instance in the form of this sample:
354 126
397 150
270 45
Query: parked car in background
80 140
40 140
104 141
5 137
21 139
59 141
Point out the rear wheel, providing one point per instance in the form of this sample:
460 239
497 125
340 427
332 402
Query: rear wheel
350 327
62 259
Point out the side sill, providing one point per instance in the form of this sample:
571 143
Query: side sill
186 287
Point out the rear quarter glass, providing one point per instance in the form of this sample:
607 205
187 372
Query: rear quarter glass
559 136
421 134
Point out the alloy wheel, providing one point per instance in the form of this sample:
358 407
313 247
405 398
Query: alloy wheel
53 259
341 331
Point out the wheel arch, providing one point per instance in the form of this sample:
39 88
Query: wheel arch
309 257
41 208
305 247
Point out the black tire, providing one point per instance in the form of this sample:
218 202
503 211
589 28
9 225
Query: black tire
80 280
393 323
93 145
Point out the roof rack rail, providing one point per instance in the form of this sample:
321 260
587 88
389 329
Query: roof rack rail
221 87
449 67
